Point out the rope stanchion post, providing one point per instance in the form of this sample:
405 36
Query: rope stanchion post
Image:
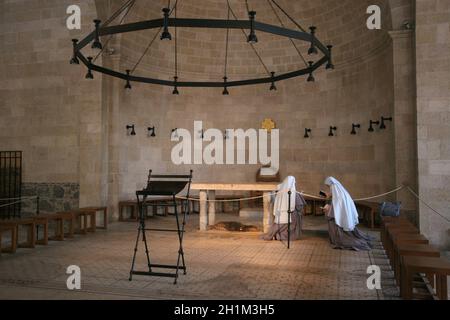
289 219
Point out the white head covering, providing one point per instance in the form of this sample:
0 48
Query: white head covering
344 208
280 207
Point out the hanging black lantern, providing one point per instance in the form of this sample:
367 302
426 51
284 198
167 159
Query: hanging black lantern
252 38
166 34
74 59
89 74
225 89
175 88
311 76
330 64
97 44
273 87
312 49
128 85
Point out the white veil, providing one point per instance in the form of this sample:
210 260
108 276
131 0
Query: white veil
281 206
344 209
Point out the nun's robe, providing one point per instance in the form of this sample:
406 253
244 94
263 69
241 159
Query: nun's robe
280 231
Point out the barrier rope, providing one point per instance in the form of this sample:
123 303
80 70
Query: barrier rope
15 202
426 204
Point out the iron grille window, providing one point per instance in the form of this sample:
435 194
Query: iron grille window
10 184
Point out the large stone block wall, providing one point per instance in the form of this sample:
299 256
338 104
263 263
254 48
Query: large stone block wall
433 115
359 90
47 108
53 197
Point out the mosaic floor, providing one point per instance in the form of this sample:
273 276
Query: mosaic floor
221 265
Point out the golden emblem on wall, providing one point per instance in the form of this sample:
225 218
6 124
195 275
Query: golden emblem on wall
268 124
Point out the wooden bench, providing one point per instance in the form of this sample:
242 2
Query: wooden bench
103 210
85 221
132 204
439 268
12 230
41 221
29 224
408 249
370 210
391 232
58 220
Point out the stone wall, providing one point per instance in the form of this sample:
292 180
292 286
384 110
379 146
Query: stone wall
47 109
53 197
433 115
358 90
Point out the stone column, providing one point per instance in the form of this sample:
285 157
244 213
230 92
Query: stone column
211 208
266 216
111 102
405 114
203 211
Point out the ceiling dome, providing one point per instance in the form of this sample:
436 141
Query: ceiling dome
201 52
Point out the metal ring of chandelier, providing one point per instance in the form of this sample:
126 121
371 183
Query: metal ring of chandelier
251 25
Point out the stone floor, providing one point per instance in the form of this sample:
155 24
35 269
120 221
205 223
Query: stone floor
221 265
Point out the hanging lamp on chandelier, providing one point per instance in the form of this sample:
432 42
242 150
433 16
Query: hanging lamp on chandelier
249 28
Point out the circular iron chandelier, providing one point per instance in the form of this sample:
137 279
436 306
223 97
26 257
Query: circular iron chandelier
248 27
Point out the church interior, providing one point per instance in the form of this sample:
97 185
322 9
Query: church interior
225 149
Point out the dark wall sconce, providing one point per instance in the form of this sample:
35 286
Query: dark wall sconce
130 130
175 133
371 125
307 132
151 131
226 135
202 134
354 126
383 120
331 133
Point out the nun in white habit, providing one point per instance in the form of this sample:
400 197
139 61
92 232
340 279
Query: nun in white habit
343 218
279 227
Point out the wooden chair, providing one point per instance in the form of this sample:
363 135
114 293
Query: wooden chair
12 229
103 210
439 268
132 204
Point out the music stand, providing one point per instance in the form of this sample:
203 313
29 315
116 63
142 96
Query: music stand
162 185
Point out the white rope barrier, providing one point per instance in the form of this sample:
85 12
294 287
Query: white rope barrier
426 204
15 202
30 197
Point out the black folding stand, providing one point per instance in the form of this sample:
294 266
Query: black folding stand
162 185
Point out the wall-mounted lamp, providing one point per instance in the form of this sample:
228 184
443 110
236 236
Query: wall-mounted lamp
151 132
383 125
354 126
371 125
331 133
202 134
175 133
226 135
130 130
307 132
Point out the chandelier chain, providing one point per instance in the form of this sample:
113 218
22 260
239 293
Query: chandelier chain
227 42
290 39
122 20
287 15
151 42
253 47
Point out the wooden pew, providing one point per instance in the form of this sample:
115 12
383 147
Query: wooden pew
103 210
12 230
439 268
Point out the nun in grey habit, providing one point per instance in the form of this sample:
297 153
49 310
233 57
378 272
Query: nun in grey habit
279 227
343 219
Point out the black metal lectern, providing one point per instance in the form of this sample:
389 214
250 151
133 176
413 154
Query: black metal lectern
162 185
